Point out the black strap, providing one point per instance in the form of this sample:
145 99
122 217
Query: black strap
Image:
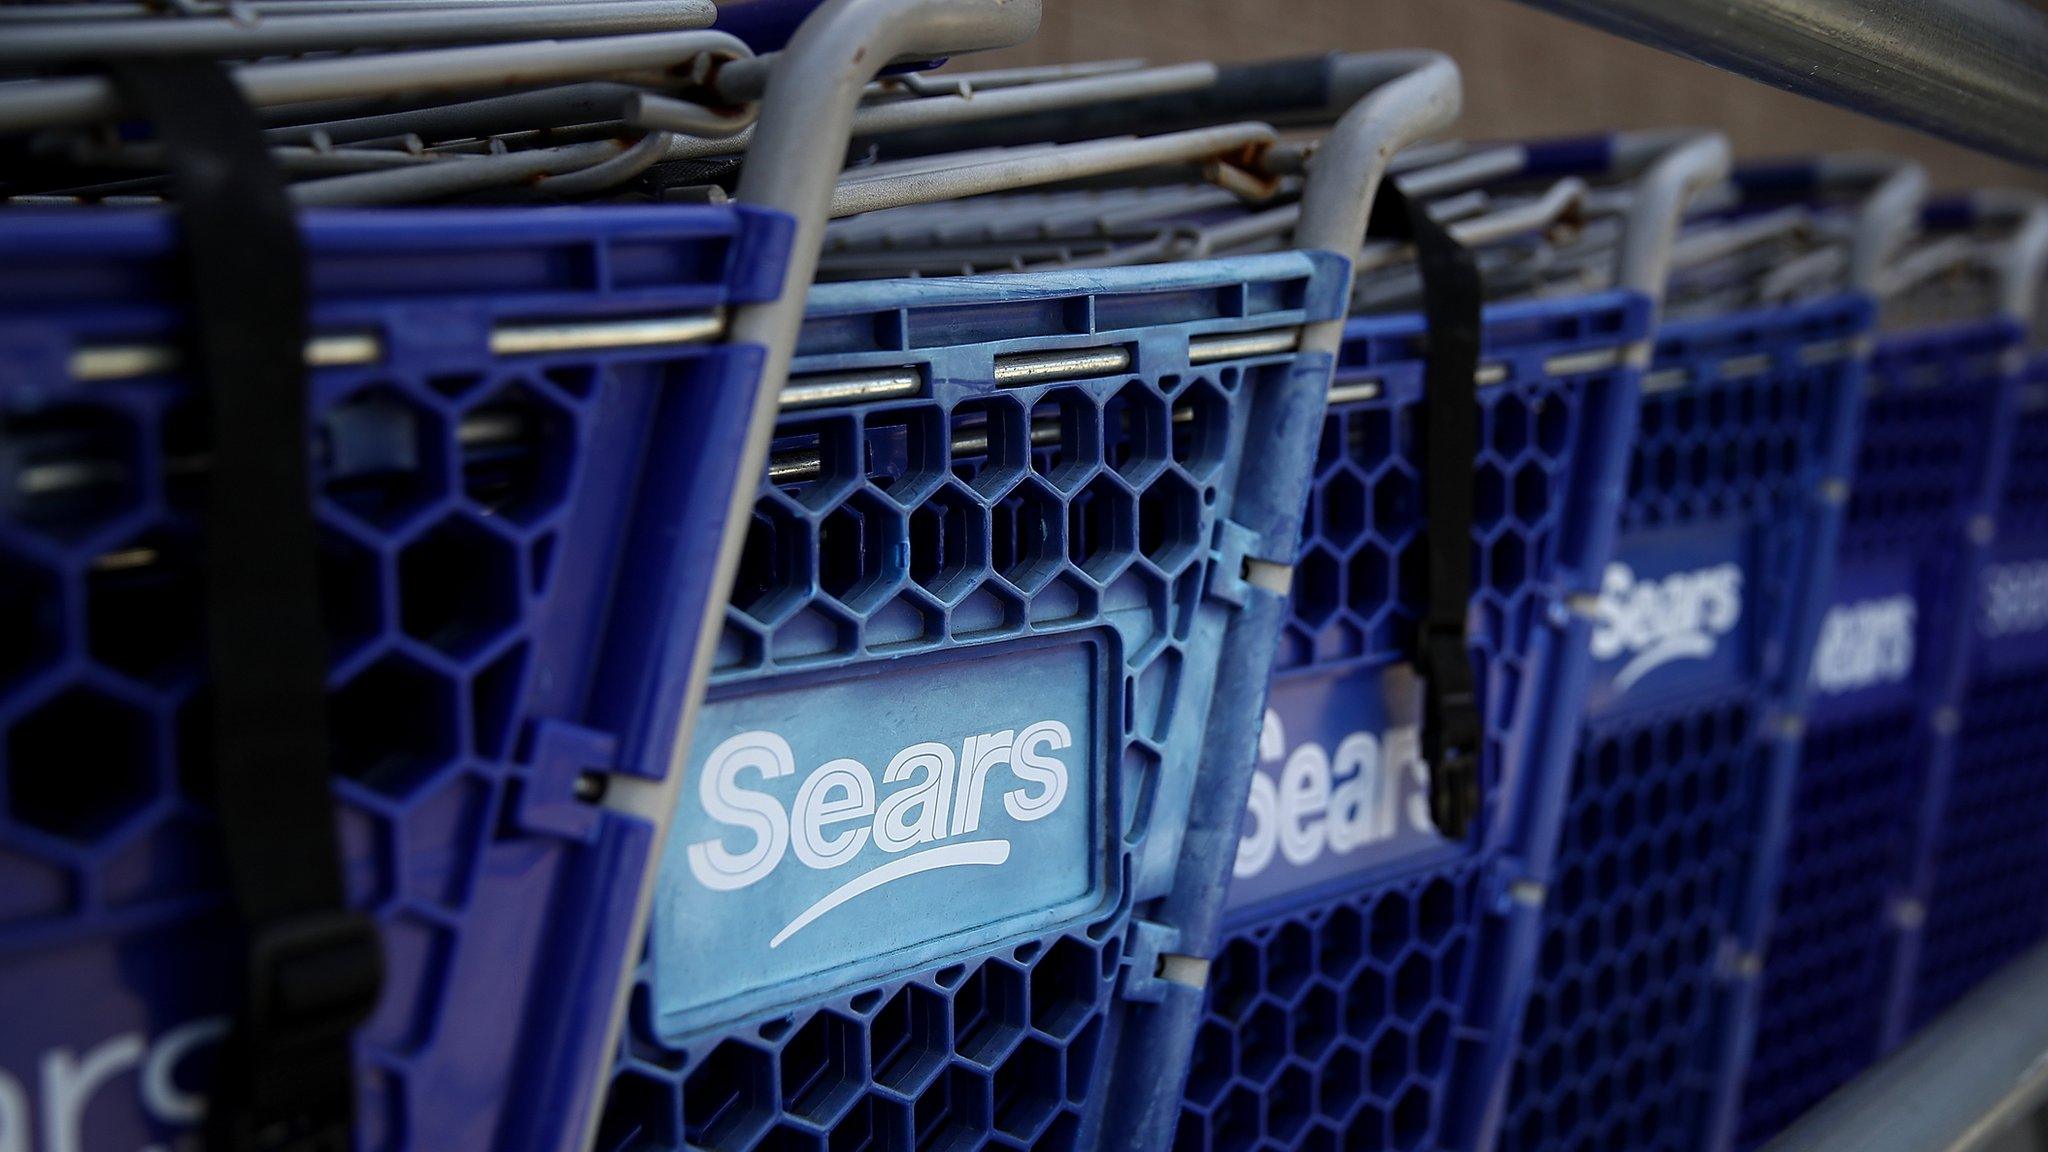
314 968
1452 730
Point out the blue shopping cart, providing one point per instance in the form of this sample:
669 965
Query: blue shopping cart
1369 986
1986 852
1850 904
958 806
528 433
496 535
1638 1024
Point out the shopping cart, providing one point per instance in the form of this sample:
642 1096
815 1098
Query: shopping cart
1986 852
1638 1023
1849 906
527 431
965 785
1369 986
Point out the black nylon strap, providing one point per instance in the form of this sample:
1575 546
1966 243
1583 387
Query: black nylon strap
1452 731
314 968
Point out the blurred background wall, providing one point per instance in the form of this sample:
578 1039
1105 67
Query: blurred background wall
1527 73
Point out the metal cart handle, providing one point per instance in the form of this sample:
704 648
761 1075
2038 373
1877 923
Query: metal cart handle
1892 192
1422 94
1670 168
2022 257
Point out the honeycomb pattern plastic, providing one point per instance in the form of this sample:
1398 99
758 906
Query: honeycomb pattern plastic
1829 967
466 503
1656 874
1112 522
1330 1021
1821 1018
1990 855
1992 850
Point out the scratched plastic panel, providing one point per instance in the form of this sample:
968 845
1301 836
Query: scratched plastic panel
1331 1016
465 504
901 548
1654 869
1828 971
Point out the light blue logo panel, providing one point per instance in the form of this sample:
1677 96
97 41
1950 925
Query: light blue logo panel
1870 641
1340 789
1678 615
2011 615
834 829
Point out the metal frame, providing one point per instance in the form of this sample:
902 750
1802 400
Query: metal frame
1973 71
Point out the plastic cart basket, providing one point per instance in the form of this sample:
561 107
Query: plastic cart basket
1886 671
972 726
1368 987
1882 745
529 428
499 530
1987 851
1637 1027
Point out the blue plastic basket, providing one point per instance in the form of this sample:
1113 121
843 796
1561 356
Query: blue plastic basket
1884 676
507 547
970 653
1360 984
1634 1032
1988 860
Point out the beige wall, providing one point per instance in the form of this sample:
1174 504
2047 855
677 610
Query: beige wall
1526 72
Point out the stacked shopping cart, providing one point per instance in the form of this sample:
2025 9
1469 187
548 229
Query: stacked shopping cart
634 576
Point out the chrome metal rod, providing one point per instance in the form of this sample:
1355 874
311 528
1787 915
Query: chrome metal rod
1047 166
452 177
279 34
1980 1067
85 99
1973 71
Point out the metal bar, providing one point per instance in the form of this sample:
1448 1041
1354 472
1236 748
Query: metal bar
851 388
108 10
1978 1069
101 362
486 116
450 177
279 34
1021 368
1050 166
915 114
86 99
1973 71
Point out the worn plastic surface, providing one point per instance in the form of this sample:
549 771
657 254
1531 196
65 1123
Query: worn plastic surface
1880 738
1358 991
959 709
1638 1022
511 584
1987 899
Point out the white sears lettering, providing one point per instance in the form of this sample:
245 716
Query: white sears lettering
1340 802
68 1082
929 798
2015 598
1865 644
1683 616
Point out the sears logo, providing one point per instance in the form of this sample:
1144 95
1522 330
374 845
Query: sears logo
1682 616
1320 803
46 1110
1865 644
922 815
2015 599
